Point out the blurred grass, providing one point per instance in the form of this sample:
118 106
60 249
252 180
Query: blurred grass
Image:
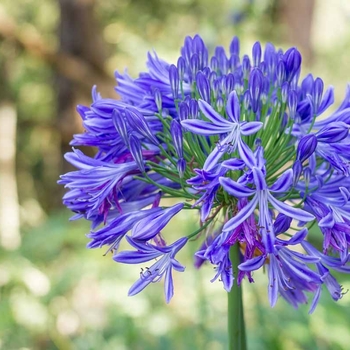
56 294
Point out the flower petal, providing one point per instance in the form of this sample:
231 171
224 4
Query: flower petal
234 188
250 128
214 156
135 257
204 128
212 115
283 183
259 179
252 264
233 164
295 213
168 285
246 154
298 237
315 300
241 216
148 227
139 285
327 221
232 107
327 100
138 122
273 281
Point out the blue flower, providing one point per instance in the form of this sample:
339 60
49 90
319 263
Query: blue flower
217 252
98 181
262 197
117 228
289 274
148 227
334 288
232 130
166 261
333 220
243 142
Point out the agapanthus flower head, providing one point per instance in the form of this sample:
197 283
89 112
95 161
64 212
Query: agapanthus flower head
239 140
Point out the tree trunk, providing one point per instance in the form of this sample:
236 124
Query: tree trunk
79 37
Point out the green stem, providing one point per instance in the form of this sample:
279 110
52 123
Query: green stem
236 326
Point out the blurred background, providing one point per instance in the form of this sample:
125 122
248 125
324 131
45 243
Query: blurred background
56 294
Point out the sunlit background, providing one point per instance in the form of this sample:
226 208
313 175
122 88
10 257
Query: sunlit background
56 294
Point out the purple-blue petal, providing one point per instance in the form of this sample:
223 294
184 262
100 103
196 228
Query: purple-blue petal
273 281
233 107
327 100
214 156
138 122
295 213
327 221
135 257
246 154
298 237
212 115
139 286
250 128
333 132
168 285
259 179
234 188
252 264
203 128
283 183
148 227
136 151
242 215
233 164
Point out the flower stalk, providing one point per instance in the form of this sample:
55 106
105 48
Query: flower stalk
235 312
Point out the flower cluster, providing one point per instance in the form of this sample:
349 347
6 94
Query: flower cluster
241 140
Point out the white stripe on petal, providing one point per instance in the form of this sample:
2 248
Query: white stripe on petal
295 213
241 216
